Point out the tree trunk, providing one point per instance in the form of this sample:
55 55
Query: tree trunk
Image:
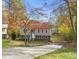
71 21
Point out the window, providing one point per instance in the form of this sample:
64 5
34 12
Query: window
42 30
33 31
38 30
25 30
3 29
46 31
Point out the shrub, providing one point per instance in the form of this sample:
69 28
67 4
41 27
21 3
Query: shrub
69 37
13 35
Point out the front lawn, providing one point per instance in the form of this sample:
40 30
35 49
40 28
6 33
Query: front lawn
6 43
19 43
11 43
63 53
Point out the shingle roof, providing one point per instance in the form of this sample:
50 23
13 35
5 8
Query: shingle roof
33 25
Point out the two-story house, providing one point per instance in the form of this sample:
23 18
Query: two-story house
37 29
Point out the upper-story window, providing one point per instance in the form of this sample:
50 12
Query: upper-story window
38 30
46 30
3 29
42 30
25 30
33 31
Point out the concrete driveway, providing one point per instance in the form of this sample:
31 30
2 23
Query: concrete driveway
28 52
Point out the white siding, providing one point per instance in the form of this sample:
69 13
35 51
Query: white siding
48 33
4 28
22 32
42 33
53 30
4 25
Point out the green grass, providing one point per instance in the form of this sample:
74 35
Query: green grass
63 53
6 43
17 43
11 43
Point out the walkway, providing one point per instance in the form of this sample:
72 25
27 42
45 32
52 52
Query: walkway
28 52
